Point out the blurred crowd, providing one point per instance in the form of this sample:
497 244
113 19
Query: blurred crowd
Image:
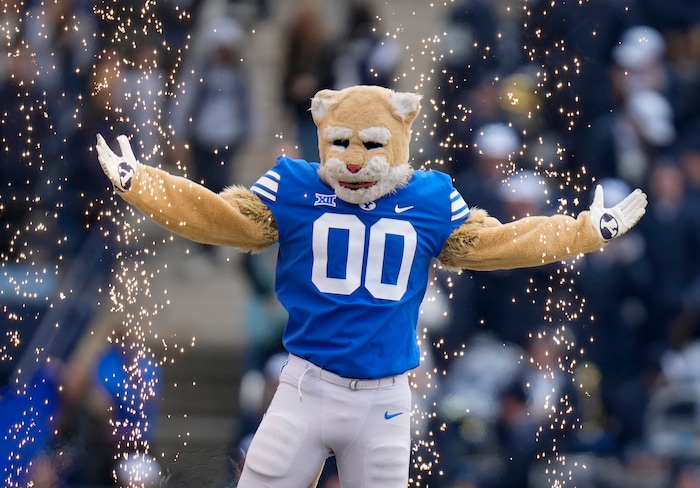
599 366
584 373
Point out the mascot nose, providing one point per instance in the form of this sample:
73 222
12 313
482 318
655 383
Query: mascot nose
354 168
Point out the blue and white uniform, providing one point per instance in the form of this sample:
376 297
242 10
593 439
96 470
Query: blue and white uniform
352 277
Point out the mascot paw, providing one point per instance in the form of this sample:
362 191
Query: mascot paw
119 169
614 221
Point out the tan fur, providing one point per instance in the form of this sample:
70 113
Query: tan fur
252 207
463 241
482 243
198 214
358 108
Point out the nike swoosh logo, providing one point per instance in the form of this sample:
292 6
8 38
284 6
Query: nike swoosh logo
398 209
388 415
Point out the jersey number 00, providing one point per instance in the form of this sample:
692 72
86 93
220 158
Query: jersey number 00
362 257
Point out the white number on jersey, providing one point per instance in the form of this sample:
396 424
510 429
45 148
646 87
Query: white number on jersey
358 255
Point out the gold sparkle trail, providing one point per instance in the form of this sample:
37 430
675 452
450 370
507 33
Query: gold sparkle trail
70 70
126 56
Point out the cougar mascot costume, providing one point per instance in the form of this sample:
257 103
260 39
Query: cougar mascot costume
357 233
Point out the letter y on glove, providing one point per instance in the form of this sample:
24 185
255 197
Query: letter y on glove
615 221
119 169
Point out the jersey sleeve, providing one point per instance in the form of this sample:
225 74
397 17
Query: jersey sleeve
268 185
459 212
459 209
287 173
441 203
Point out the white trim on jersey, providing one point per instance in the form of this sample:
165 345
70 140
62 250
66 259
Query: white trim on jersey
267 185
459 207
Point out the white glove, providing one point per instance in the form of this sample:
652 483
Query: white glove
615 221
119 169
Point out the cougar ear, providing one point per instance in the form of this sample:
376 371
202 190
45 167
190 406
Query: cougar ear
405 105
321 102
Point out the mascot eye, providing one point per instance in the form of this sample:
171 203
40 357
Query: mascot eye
369 145
341 142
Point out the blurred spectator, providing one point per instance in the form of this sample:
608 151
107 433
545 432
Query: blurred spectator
211 113
83 449
60 35
504 301
534 410
257 388
314 60
140 94
641 63
689 162
570 45
687 476
24 109
615 284
635 291
470 48
305 71
180 17
688 149
265 316
129 376
495 155
467 85
362 56
625 143
27 425
668 231
683 14
503 407
83 212
671 234
212 116
468 409
265 319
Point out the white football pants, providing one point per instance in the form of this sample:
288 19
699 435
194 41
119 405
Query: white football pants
315 414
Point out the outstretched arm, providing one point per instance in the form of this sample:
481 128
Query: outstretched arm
235 217
482 243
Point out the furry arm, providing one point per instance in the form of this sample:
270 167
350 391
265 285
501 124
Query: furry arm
482 243
235 217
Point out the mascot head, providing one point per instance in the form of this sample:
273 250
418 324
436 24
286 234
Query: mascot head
364 133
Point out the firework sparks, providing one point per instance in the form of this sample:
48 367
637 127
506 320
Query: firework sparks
132 70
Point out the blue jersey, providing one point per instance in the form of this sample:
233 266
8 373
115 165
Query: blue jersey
353 277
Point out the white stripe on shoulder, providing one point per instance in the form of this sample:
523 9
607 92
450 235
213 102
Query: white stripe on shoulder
463 213
273 174
263 193
459 207
267 185
458 203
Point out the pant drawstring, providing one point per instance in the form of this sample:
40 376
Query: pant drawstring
306 370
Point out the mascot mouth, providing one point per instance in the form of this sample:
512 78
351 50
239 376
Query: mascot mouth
357 186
